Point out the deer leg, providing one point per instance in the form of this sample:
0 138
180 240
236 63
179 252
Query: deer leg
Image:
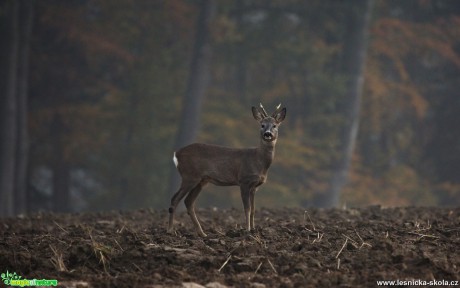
190 204
183 190
245 196
253 208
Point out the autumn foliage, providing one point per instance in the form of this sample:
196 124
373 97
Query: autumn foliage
107 80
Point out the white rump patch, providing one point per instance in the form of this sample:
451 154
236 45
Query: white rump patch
175 160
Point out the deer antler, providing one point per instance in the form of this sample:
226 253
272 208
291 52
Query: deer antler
278 109
263 110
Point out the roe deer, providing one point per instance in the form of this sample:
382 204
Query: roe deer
199 164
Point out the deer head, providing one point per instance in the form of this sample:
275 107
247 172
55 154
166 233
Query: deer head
269 124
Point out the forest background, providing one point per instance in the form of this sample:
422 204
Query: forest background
96 96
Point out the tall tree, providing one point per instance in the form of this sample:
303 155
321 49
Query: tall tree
241 56
355 53
14 147
60 167
22 147
58 107
9 113
198 81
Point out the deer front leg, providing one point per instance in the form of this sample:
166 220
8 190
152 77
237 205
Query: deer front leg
253 208
246 197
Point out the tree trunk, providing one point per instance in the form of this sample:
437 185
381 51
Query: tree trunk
241 57
61 168
61 187
355 52
124 196
9 111
196 86
22 150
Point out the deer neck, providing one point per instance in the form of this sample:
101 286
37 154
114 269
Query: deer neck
267 152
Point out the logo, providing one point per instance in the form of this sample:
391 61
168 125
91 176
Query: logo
13 279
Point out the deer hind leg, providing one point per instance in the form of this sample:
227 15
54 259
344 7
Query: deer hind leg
185 188
190 204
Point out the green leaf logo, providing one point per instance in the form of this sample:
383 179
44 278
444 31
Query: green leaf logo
6 278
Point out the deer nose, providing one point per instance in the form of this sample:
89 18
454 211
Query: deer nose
268 134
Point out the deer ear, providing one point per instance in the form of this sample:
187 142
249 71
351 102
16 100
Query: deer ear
257 114
280 115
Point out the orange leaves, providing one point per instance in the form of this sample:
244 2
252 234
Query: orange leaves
396 46
71 24
98 43
406 55
180 10
396 39
399 186
415 101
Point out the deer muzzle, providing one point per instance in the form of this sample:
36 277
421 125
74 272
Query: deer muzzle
268 136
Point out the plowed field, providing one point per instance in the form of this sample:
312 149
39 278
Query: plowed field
290 248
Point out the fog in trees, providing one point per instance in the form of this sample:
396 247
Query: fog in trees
97 95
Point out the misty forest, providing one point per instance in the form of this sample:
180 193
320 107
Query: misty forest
97 95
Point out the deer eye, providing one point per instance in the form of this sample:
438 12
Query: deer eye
263 125
274 125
